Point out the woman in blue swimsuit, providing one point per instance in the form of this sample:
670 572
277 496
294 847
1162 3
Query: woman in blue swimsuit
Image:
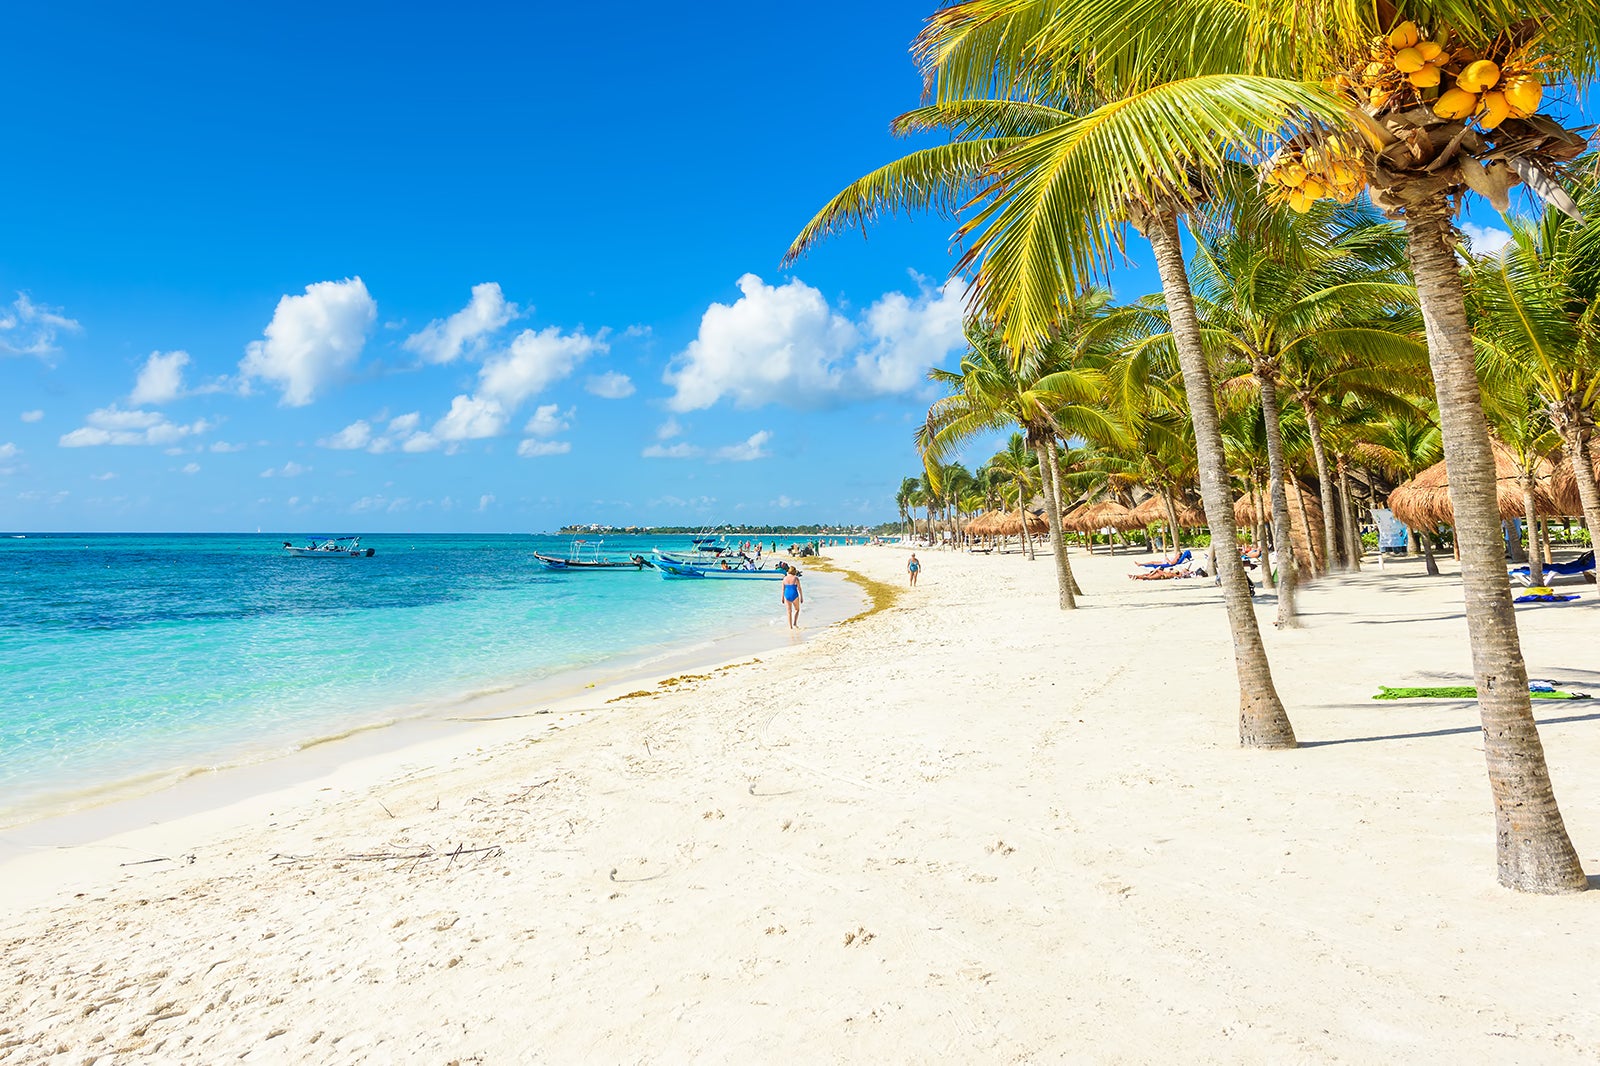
792 596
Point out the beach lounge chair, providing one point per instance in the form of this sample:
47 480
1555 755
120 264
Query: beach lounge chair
1183 557
1577 569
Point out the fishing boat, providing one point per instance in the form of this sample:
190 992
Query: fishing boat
330 548
582 556
725 571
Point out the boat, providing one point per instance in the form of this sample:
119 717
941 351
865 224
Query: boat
330 548
723 571
707 551
578 558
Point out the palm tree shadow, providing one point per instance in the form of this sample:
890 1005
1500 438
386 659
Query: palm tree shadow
1454 732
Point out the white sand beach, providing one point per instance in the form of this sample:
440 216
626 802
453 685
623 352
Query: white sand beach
968 828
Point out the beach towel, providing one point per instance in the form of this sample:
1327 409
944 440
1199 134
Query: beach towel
1544 597
1469 692
1577 566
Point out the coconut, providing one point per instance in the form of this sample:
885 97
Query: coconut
1480 74
1456 103
1404 35
1408 59
1493 109
1429 50
1523 93
1426 78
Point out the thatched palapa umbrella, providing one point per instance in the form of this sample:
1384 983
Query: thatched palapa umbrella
1009 523
1424 501
1092 517
1307 542
1155 510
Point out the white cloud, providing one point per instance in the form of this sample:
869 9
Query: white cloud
289 469
444 340
611 385
533 361
681 450
8 452
783 344
420 442
784 503
532 449
548 420
405 423
636 331
222 447
471 418
668 429
312 339
32 416
752 447
1484 240
107 476
485 501
27 328
357 434
112 425
160 379
191 468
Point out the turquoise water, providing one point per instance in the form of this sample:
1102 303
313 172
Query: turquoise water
133 656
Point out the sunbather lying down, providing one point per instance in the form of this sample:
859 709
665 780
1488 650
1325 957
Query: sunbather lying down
1169 575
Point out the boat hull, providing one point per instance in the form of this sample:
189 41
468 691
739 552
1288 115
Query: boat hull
550 562
671 571
323 553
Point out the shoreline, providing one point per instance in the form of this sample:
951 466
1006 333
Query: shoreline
966 827
79 817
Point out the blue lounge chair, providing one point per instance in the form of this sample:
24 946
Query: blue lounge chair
1581 565
1183 557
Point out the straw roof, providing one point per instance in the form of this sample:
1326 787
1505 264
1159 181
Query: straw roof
1154 509
1093 516
1005 524
1308 543
1424 501
1564 487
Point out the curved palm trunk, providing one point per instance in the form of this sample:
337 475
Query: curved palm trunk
1533 850
1530 515
1282 532
1022 517
1260 532
1262 719
1352 530
1324 484
1430 565
1172 518
1574 437
1297 500
1058 543
1057 508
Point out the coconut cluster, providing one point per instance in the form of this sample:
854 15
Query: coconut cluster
1303 172
1407 68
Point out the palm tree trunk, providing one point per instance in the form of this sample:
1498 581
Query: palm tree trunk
1022 516
1533 851
1262 720
1531 518
1430 565
1574 437
1172 518
1324 483
1269 577
1297 499
1058 543
1061 532
1282 531
1352 528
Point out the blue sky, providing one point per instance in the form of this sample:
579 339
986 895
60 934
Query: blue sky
373 267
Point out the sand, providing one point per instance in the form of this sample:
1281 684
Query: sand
969 828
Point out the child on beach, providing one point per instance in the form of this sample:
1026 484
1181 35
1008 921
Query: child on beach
792 596
913 567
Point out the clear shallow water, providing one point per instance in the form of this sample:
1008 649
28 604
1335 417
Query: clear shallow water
126 656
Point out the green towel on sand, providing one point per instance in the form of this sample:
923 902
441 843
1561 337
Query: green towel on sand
1462 692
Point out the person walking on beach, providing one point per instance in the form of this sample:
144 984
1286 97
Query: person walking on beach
913 567
792 596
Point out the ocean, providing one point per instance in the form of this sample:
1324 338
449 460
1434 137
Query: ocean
142 658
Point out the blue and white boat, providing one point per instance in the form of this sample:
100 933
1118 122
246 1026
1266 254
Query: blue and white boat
582 556
724 570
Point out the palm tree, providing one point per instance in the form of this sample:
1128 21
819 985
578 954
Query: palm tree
1403 446
1043 223
905 500
1019 465
1421 147
1268 303
1535 315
